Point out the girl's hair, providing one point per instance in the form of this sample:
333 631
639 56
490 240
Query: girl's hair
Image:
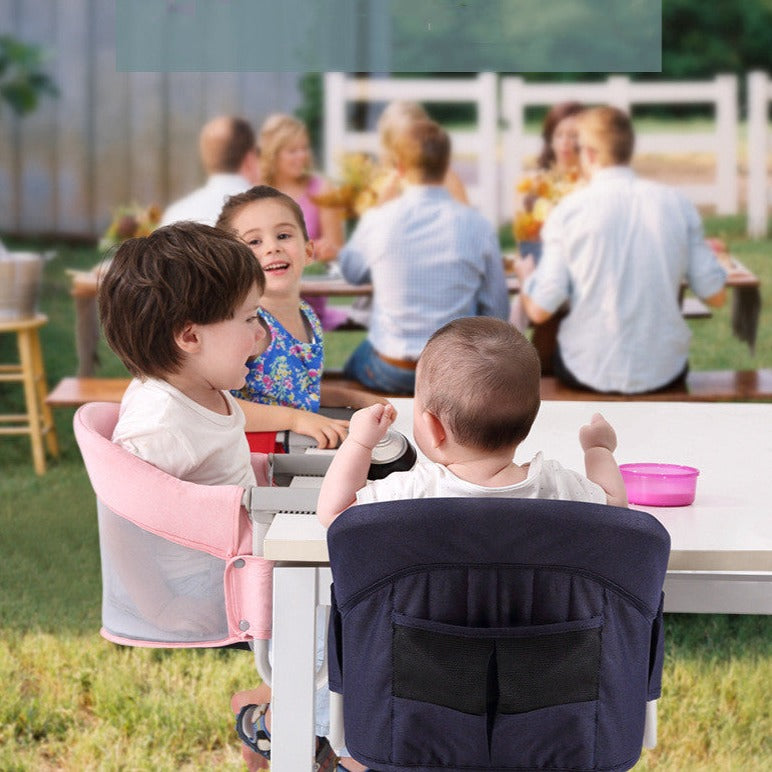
234 204
277 130
155 285
556 114
395 118
481 377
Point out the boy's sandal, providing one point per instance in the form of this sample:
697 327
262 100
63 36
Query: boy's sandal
252 731
250 727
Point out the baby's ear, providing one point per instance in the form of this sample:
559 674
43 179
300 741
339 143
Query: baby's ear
309 251
434 428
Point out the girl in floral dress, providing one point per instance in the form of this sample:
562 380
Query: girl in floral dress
289 372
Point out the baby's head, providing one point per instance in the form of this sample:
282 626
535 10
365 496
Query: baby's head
156 285
480 377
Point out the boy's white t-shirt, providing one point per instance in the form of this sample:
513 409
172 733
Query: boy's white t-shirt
545 480
162 426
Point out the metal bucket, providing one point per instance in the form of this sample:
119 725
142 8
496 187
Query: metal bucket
21 276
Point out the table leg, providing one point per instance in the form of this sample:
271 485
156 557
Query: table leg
86 334
294 652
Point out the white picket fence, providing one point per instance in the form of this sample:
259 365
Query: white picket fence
501 154
759 190
722 193
479 142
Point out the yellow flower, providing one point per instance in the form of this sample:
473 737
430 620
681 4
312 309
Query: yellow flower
540 192
130 221
355 192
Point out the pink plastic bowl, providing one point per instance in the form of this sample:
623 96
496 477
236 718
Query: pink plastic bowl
660 485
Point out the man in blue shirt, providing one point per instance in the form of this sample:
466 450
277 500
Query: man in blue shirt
430 260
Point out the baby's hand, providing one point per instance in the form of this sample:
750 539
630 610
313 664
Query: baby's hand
598 434
369 425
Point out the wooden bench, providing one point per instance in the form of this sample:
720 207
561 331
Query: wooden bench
73 392
705 386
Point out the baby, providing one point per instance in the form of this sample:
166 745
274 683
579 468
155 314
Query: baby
476 397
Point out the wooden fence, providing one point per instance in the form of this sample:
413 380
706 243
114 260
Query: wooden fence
110 137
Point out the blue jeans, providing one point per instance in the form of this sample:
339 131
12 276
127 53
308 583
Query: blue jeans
365 366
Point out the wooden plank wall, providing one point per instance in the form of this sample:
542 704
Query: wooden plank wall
110 137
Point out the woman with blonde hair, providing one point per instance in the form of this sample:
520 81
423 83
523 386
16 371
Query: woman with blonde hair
396 117
286 163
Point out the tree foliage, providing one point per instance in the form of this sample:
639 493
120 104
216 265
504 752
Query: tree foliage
701 39
22 77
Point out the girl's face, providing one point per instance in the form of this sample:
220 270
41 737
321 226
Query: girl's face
270 230
294 158
564 143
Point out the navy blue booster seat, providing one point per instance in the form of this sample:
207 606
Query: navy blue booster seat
496 634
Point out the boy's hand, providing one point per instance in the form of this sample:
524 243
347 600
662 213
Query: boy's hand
598 434
328 432
369 425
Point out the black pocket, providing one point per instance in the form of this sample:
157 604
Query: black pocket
510 691
505 670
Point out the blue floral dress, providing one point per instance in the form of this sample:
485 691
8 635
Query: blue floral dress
289 372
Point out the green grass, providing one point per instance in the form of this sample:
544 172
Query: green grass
72 701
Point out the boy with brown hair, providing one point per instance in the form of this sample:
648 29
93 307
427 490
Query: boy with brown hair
179 308
477 395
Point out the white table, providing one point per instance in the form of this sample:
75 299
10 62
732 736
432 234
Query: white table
720 561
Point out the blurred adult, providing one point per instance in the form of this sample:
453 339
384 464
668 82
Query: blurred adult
560 146
618 251
430 260
396 117
286 163
229 156
557 173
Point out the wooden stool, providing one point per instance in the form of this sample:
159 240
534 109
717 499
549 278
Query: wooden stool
38 420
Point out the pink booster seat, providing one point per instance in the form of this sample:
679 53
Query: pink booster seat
181 562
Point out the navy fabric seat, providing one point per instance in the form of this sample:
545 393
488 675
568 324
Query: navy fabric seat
479 634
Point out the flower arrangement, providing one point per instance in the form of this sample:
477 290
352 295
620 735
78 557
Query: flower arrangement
356 191
129 221
541 191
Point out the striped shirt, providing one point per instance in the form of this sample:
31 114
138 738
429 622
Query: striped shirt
430 260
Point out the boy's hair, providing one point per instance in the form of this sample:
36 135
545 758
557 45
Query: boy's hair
277 130
424 146
234 204
610 132
481 377
224 143
157 284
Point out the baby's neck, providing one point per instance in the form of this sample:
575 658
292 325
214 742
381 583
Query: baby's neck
489 469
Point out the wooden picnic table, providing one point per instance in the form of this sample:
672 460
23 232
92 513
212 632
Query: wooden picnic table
83 288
